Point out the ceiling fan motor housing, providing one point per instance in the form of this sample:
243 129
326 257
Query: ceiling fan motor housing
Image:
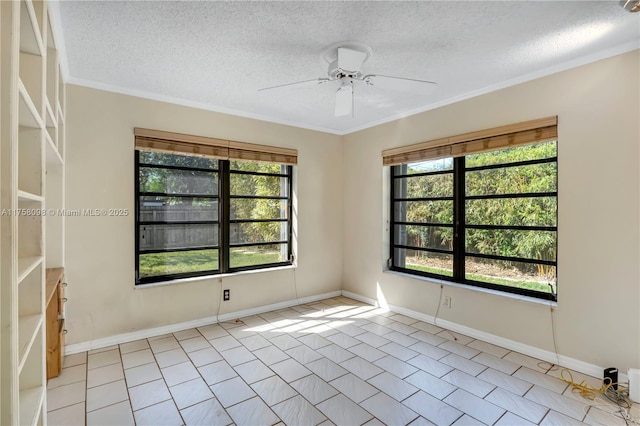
331 56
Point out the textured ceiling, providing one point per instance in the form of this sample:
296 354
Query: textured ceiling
216 55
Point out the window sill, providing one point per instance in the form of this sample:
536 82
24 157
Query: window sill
211 277
474 288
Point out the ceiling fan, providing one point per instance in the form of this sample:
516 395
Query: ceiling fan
345 60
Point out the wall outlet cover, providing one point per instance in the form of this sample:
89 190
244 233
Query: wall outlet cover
446 302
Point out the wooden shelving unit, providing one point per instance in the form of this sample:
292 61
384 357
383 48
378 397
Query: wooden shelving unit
32 142
54 318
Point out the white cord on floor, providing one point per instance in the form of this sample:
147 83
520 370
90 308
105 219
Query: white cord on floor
219 300
295 285
435 317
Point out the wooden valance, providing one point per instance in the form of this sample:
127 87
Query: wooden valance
179 143
534 131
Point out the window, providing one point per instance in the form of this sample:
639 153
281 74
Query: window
487 219
178 225
200 215
259 214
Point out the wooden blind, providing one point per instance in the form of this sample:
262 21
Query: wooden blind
179 143
541 130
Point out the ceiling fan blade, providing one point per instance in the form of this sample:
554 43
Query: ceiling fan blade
399 83
350 60
344 100
304 83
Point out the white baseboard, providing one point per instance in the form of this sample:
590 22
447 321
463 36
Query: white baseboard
542 354
360 298
172 328
276 306
136 335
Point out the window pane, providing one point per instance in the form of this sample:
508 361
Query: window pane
513 155
159 237
257 166
259 185
154 264
257 255
539 245
177 209
258 209
166 159
178 181
425 166
529 211
424 186
511 274
258 232
436 237
512 180
424 211
417 260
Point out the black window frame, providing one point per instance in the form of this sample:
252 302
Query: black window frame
459 225
224 221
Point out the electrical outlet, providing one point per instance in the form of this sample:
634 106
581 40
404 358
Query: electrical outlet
446 302
226 295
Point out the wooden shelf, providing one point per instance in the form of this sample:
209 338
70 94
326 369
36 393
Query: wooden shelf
60 114
24 196
26 265
51 75
51 40
53 156
54 302
30 405
28 327
49 140
30 37
53 276
27 113
61 90
51 118
33 102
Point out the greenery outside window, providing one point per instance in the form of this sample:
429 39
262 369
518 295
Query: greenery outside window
199 215
259 214
486 219
177 216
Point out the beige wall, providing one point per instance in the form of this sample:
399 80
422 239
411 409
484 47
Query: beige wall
100 250
342 212
598 313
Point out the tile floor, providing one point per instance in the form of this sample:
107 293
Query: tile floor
337 361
